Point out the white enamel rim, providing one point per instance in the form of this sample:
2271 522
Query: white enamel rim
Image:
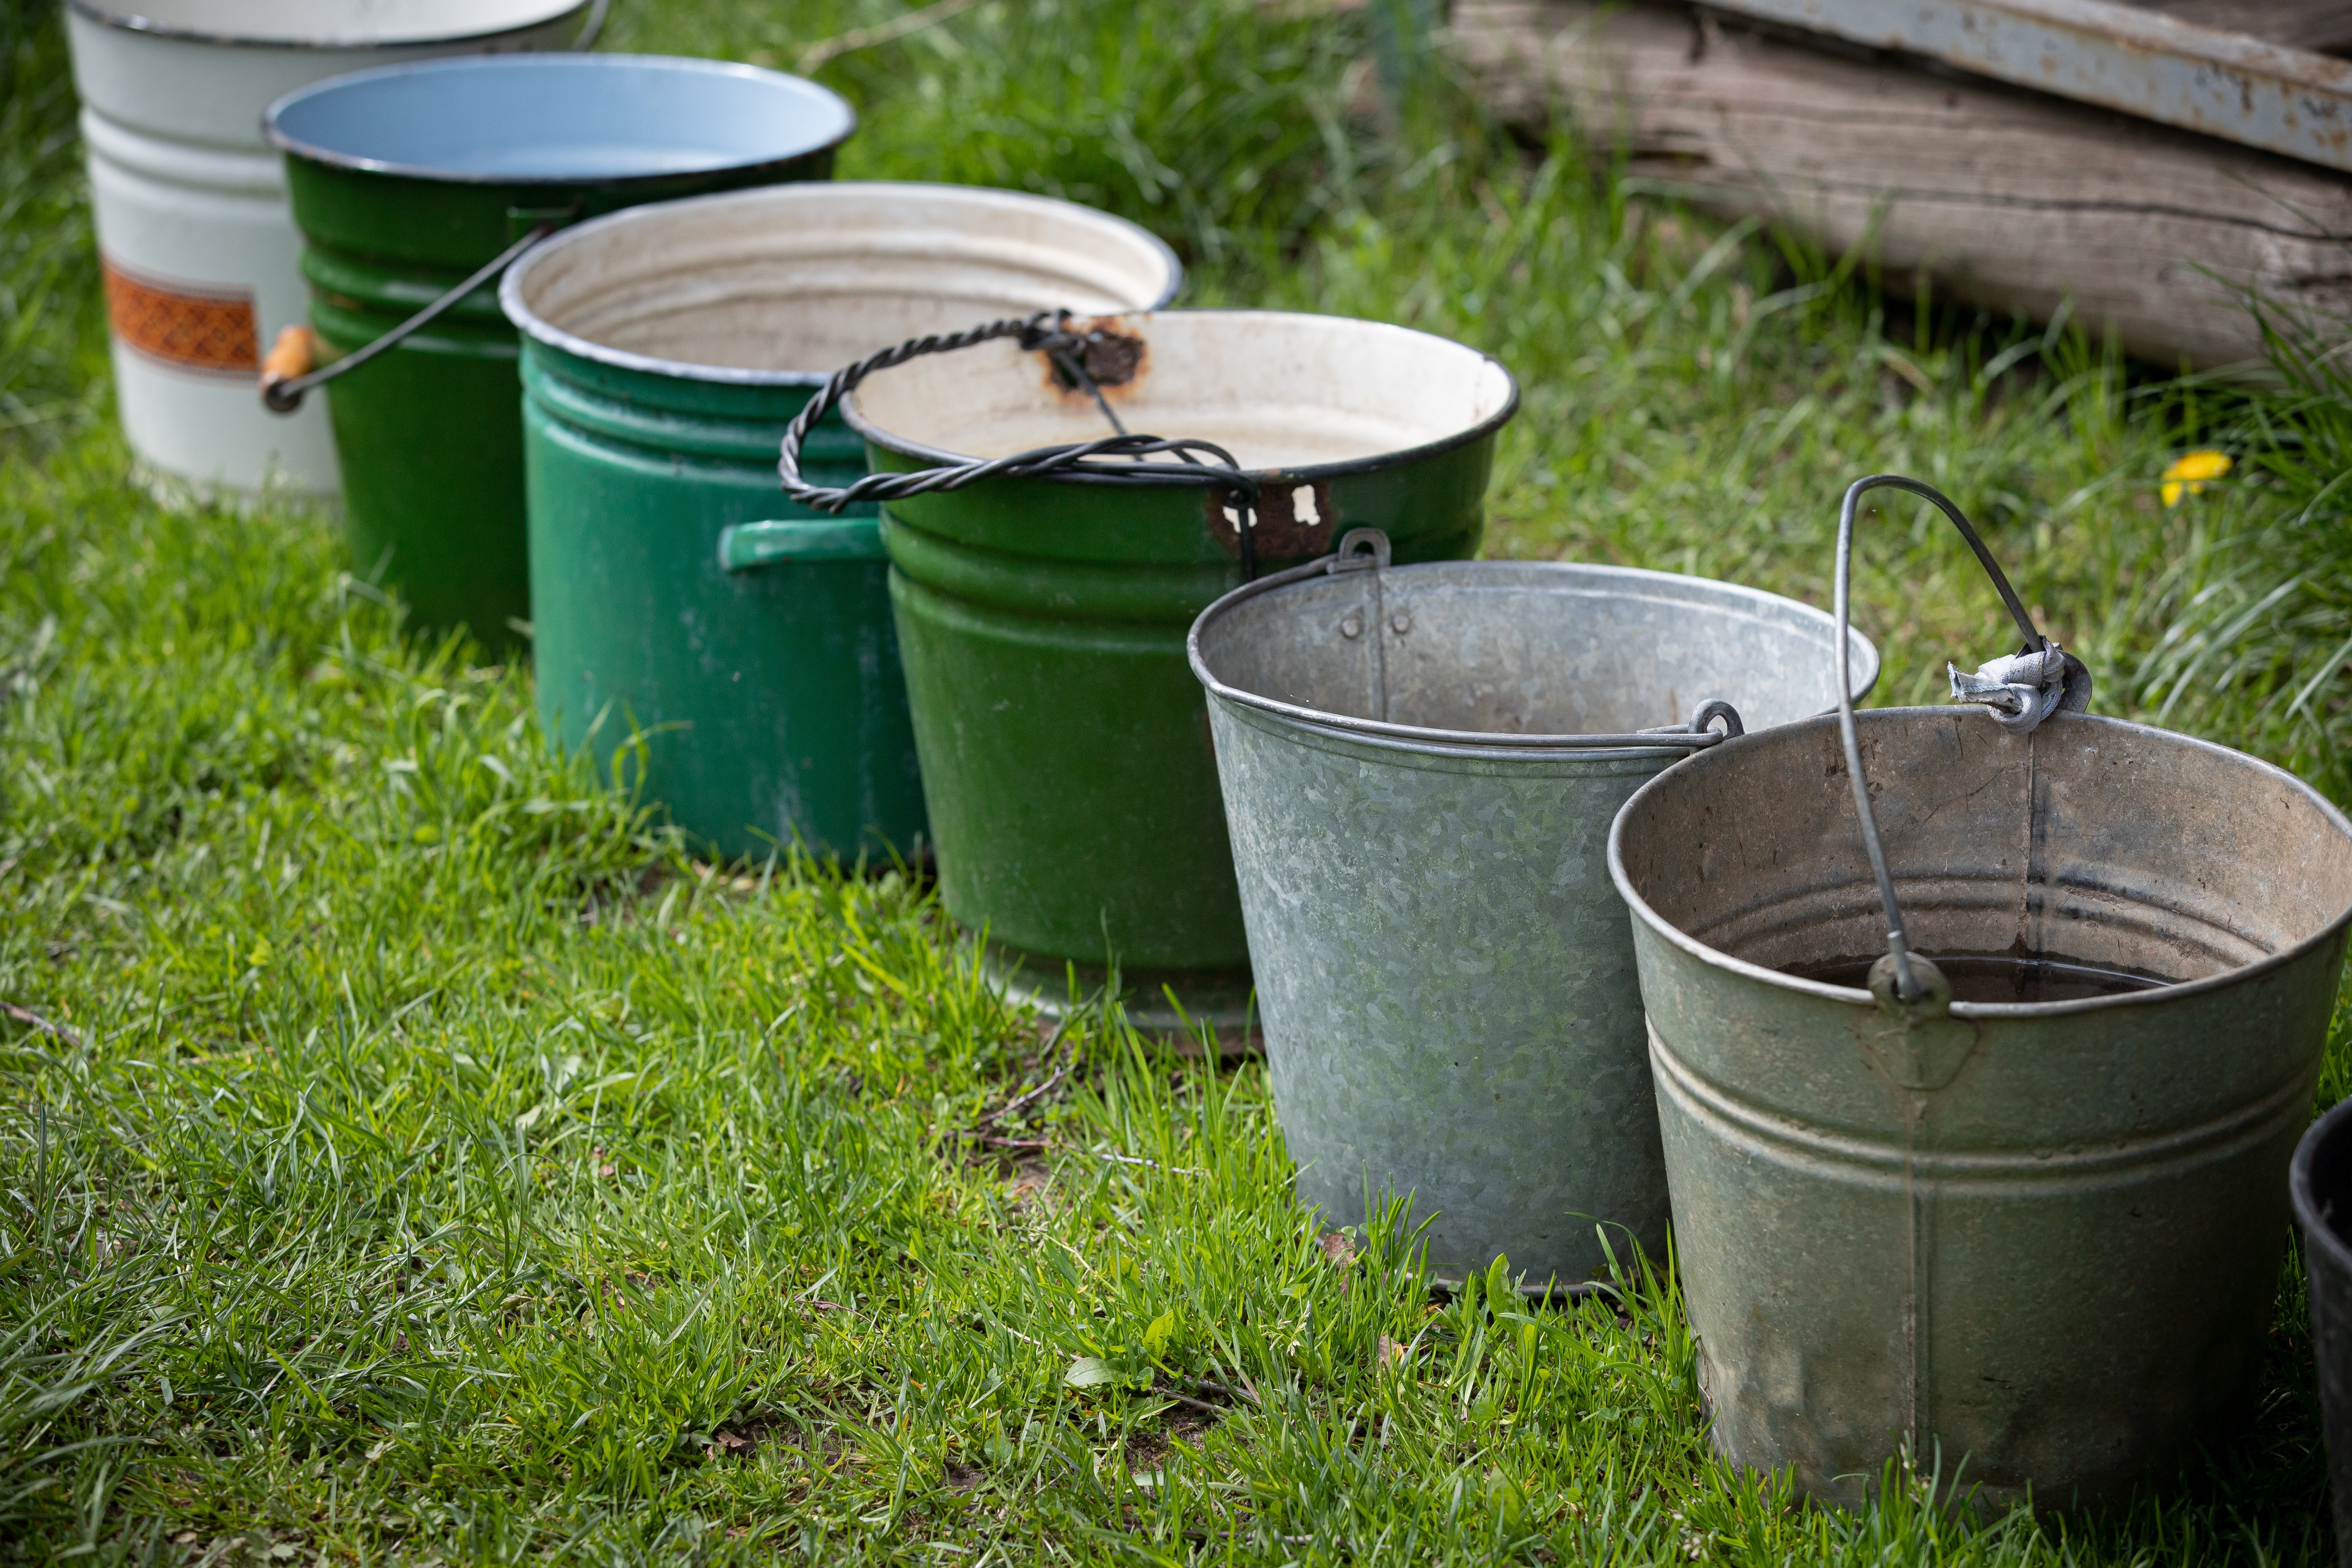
518 311
1401 456
133 21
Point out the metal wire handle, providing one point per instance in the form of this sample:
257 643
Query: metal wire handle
1079 462
1909 986
283 394
1367 550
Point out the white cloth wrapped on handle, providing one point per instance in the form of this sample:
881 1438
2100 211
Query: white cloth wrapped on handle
2019 689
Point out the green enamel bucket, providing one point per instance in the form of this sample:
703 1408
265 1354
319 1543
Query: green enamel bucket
406 182
1067 767
676 593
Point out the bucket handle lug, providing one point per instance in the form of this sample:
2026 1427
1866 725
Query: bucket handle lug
1934 1000
1711 710
1360 549
747 546
1916 1043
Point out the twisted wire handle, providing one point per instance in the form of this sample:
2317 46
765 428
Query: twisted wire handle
1203 463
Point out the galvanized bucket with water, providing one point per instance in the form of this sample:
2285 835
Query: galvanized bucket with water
414 188
1046 571
1420 765
197 249
1982 1040
673 589
2320 1187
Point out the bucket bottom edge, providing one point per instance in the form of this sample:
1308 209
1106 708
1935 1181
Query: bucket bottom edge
1220 1001
1958 1492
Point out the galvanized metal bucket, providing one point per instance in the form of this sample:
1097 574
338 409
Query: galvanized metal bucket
1066 763
1420 765
410 182
196 246
2320 1186
2040 1235
665 348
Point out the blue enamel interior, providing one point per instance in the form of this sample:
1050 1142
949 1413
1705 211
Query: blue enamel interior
562 116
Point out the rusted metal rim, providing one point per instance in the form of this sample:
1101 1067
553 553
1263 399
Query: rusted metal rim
1377 463
130 21
1501 744
2334 1127
1740 966
799 87
539 328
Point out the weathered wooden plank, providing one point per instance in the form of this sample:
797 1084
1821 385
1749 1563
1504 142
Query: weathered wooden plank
2010 199
2322 27
2159 67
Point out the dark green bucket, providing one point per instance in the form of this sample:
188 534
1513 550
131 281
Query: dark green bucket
675 592
406 180
1066 761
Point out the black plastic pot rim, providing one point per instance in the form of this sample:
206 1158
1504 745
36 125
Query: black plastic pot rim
2317 1232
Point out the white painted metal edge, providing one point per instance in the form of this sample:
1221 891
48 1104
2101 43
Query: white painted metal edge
2141 62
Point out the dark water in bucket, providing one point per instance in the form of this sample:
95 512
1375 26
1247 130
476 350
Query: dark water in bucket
2006 977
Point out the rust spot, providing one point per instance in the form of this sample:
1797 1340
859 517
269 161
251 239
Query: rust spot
1116 357
1293 523
1112 359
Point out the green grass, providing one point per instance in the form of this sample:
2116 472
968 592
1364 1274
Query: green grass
2262 611
419 1154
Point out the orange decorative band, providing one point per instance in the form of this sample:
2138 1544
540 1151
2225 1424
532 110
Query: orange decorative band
184 325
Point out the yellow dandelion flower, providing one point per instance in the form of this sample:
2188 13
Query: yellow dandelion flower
2190 470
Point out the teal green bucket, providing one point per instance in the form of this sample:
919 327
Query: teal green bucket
406 180
677 596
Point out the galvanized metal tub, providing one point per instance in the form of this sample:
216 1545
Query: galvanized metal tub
1066 763
2319 1185
1443 971
198 250
2043 1237
665 348
407 180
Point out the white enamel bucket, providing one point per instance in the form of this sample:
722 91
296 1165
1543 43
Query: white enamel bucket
198 249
